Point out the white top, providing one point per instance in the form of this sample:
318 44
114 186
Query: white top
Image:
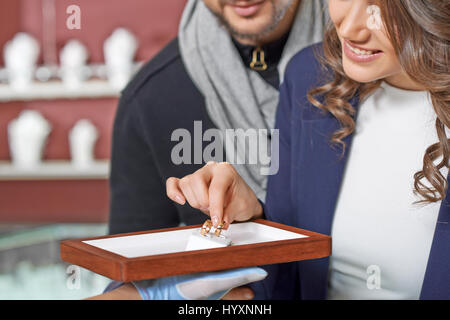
380 239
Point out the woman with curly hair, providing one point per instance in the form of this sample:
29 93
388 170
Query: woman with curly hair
363 157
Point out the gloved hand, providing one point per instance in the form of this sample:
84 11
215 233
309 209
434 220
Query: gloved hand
199 286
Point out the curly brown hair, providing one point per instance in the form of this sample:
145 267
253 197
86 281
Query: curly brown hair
419 31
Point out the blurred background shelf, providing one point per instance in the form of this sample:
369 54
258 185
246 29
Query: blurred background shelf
96 87
57 90
54 170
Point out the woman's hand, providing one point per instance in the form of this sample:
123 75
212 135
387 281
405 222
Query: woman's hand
218 191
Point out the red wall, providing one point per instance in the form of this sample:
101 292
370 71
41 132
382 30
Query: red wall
154 22
63 114
9 22
54 201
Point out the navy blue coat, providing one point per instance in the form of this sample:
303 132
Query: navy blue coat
304 193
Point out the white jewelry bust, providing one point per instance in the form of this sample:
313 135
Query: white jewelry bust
21 55
27 136
73 58
120 50
82 138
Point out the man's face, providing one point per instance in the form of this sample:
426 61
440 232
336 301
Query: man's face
250 19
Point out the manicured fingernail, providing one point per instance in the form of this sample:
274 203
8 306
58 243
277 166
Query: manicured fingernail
215 220
179 199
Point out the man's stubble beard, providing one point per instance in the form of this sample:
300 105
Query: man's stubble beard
279 11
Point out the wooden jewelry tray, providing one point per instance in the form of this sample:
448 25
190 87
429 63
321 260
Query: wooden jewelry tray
161 253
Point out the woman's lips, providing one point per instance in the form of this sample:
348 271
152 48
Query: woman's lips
245 9
358 54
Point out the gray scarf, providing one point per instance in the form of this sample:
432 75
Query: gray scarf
237 97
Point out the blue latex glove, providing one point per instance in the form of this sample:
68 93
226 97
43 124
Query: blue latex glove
199 286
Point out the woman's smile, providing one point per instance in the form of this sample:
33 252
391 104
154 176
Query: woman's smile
359 54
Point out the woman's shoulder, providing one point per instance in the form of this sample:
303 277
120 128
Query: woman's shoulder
305 67
311 54
304 72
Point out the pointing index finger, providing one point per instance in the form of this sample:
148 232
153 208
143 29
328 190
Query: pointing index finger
221 181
